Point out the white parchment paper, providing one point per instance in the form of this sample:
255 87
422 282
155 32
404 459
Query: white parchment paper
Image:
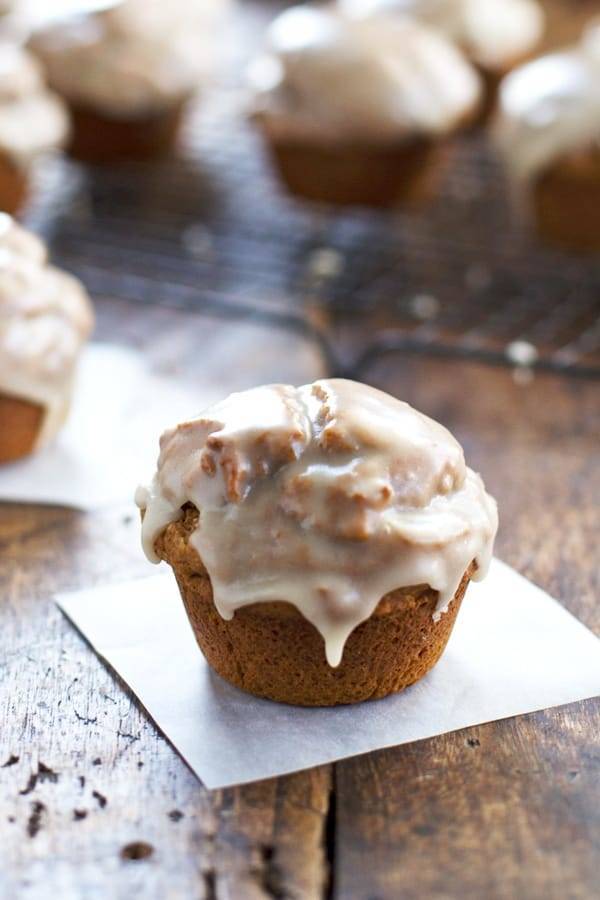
109 443
514 650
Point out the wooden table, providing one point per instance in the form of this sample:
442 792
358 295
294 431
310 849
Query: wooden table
94 803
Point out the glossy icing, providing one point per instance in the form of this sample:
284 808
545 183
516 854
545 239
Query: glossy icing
550 107
329 75
327 496
45 317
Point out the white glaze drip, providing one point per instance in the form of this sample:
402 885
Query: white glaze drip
331 76
33 120
328 496
550 107
493 33
45 316
138 58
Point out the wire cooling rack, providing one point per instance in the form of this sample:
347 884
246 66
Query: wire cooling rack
212 231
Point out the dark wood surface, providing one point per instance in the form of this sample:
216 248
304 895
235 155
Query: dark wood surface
95 803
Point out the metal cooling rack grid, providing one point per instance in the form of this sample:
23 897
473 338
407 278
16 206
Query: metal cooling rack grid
212 231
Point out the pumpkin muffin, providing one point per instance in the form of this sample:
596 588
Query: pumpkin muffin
548 133
45 317
495 35
359 111
322 538
33 121
128 72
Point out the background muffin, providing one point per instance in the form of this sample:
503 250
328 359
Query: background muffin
45 317
128 72
358 111
548 132
322 538
33 121
496 35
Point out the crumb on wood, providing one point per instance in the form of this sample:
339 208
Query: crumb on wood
102 801
137 851
11 761
34 822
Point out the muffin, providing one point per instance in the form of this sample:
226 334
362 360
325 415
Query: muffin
359 111
127 74
45 317
322 538
548 133
496 35
33 121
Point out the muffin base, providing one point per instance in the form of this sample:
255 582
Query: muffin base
270 649
384 176
21 422
100 139
566 202
14 184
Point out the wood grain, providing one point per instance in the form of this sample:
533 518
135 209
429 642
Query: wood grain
94 803
509 809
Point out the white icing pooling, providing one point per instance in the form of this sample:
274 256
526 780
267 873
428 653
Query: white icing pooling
328 496
550 107
327 74
45 316
33 120
493 33
140 57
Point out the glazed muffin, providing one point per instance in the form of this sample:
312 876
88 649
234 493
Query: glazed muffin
359 112
127 74
496 35
322 538
33 121
45 317
548 133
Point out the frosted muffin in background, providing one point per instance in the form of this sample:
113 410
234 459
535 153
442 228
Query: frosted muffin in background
548 134
33 121
128 72
45 319
359 111
496 35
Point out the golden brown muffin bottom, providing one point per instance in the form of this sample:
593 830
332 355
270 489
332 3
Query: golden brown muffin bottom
101 139
20 423
566 201
271 650
13 186
383 176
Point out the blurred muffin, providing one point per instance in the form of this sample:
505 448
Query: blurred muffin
548 132
496 35
322 538
33 121
128 72
359 111
45 317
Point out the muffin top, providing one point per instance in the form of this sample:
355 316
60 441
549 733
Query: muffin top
32 119
45 316
328 496
139 57
551 107
493 33
326 75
